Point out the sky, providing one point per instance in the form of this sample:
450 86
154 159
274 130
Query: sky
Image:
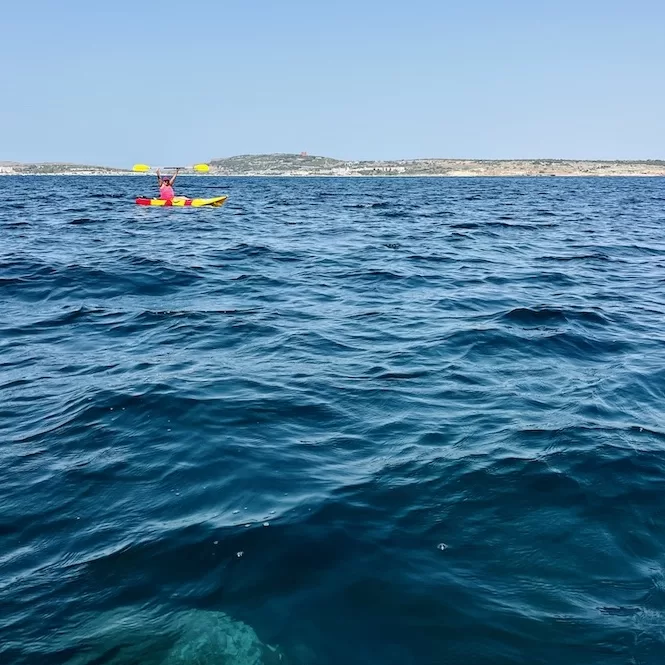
160 82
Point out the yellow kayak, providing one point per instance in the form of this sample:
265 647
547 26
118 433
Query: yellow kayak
183 201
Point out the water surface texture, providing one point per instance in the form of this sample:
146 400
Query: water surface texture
336 422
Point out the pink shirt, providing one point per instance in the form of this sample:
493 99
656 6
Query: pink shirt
166 192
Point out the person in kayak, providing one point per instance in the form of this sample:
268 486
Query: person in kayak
166 185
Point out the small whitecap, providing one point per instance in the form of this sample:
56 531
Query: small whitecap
239 554
442 546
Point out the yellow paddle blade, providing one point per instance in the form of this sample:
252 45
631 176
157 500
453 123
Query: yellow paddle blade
201 168
140 168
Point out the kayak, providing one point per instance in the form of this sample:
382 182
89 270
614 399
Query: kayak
182 201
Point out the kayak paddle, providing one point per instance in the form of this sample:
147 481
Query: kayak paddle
199 168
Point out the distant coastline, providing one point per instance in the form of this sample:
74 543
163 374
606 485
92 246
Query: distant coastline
293 165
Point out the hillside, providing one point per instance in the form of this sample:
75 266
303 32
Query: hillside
305 165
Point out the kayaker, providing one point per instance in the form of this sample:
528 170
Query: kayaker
166 185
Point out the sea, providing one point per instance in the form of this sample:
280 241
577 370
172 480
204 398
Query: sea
383 421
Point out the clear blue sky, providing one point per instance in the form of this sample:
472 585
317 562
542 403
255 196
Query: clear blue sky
120 82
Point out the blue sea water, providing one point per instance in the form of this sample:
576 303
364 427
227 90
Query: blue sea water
336 422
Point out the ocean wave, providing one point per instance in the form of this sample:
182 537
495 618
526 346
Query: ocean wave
535 316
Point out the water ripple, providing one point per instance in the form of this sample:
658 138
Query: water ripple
337 421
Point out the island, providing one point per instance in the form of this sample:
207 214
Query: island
304 165
56 168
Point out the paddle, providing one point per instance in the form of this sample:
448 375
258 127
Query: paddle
199 168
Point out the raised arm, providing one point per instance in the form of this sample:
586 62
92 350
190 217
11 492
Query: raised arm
159 177
174 177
